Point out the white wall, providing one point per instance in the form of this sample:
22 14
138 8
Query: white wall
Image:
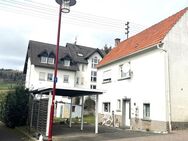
146 85
35 83
89 69
86 74
176 44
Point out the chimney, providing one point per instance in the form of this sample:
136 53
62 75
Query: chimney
117 41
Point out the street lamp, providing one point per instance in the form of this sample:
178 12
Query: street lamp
64 6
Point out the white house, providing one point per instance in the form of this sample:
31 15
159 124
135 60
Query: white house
76 68
146 79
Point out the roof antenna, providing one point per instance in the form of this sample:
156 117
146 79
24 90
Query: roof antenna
75 42
127 29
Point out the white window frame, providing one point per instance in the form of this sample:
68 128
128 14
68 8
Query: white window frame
106 107
93 76
66 63
51 60
146 110
82 80
93 86
83 67
50 77
66 79
107 76
118 104
77 80
94 62
42 76
43 59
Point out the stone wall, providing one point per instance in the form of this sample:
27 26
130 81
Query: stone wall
149 125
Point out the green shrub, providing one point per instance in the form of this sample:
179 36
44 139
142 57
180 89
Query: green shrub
14 107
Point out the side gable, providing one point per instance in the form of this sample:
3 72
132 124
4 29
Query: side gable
101 53
143 40
81 53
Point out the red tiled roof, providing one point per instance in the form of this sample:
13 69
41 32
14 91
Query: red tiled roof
145 39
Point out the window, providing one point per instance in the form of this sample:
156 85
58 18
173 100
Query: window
146 110
93 87
42 76
106 106
93 76
66 79
67 63
73 108
119 104
77 80
83 67
124 70
50 60
50 77
61 111
107 76
94 62
82 81
43 59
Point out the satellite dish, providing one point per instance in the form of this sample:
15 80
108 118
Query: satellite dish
126 67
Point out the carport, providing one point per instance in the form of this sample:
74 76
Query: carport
44 98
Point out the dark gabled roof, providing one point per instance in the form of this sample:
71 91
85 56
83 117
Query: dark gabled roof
143 40
36 49
85 51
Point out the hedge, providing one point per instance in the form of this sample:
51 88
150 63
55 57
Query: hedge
14 107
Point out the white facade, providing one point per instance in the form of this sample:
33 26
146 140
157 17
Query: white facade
38 77
177 50
84 74
146 85
154 97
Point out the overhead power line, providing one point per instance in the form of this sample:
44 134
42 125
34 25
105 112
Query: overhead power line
49 12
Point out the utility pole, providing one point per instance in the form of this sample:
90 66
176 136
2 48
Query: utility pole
127 29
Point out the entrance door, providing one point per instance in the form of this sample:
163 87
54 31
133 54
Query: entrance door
126 112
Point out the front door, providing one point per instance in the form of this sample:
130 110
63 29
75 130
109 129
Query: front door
126 112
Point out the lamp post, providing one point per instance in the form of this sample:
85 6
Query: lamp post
64 6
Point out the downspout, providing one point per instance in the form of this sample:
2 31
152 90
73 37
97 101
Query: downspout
167 84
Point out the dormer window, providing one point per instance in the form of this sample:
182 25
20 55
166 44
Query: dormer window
67 63
50 60
43 59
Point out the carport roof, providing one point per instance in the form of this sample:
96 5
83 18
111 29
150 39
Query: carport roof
71 92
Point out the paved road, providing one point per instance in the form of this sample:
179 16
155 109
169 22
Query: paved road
7 134
181 135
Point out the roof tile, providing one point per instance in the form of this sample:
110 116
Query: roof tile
145 39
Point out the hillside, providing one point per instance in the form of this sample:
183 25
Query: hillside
9 78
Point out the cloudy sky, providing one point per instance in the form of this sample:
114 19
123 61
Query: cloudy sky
93 23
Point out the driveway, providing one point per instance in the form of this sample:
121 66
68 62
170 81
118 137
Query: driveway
63 132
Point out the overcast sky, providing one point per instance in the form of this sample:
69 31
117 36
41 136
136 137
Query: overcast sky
93 23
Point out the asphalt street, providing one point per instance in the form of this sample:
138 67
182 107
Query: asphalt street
7 134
